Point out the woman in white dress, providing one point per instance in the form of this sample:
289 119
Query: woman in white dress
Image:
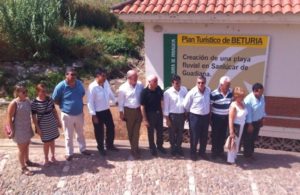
237 117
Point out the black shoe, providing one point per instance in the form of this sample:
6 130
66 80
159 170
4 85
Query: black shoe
135 155
203 156
214 156
162 150
173 152
153 152
112 148
86 153
223 156
102 152
193 157
180 152
69 157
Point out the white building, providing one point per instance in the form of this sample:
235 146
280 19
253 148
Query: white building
276 21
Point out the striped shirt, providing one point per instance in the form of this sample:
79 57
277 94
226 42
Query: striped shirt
46 119
220 103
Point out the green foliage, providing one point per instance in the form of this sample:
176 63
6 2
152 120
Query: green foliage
87 14
52 79
31 25
119 43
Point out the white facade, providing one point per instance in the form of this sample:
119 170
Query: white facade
283 65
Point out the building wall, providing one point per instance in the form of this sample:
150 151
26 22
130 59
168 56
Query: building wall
282 73
283 64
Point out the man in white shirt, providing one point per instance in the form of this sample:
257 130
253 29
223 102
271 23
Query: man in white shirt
197 103
130 109
99 93
174 113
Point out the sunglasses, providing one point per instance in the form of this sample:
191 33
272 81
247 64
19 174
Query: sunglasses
72 74
24 92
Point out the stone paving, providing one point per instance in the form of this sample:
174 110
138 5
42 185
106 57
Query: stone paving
274 172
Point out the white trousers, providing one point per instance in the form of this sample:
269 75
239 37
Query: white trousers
70 124
232 154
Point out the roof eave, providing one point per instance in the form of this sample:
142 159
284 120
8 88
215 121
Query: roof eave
213 18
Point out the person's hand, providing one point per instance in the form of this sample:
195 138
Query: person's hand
38 130
95 119
146 123
59 124
168 121
250 128
232 134
122 116
11 134
186 116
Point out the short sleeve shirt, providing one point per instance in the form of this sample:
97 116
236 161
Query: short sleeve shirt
69 98
151 99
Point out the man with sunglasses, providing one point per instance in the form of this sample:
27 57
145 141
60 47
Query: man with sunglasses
197 104
68 95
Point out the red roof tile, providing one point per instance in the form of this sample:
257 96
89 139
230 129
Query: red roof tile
207 6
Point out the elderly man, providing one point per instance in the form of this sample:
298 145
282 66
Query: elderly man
174 113
130 109
220 100
99 93
255 104
151 105
197 104
68 95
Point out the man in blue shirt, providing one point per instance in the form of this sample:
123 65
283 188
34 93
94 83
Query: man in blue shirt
255 104
68 95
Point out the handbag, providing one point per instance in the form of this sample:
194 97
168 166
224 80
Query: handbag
7 128
230 143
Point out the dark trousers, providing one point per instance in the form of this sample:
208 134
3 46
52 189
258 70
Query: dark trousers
219 126
250 138
176 130
198 132
155 120
104 118
133 119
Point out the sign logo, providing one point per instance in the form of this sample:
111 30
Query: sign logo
242 58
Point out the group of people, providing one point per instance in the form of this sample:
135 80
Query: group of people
224 109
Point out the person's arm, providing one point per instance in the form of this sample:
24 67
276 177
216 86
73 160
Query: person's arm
91 104
36 124
11 110
264 111
121 102
249 119
111 94
145 120
187 102
57 94
232 114
167 108
59 123
35 118
143 109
